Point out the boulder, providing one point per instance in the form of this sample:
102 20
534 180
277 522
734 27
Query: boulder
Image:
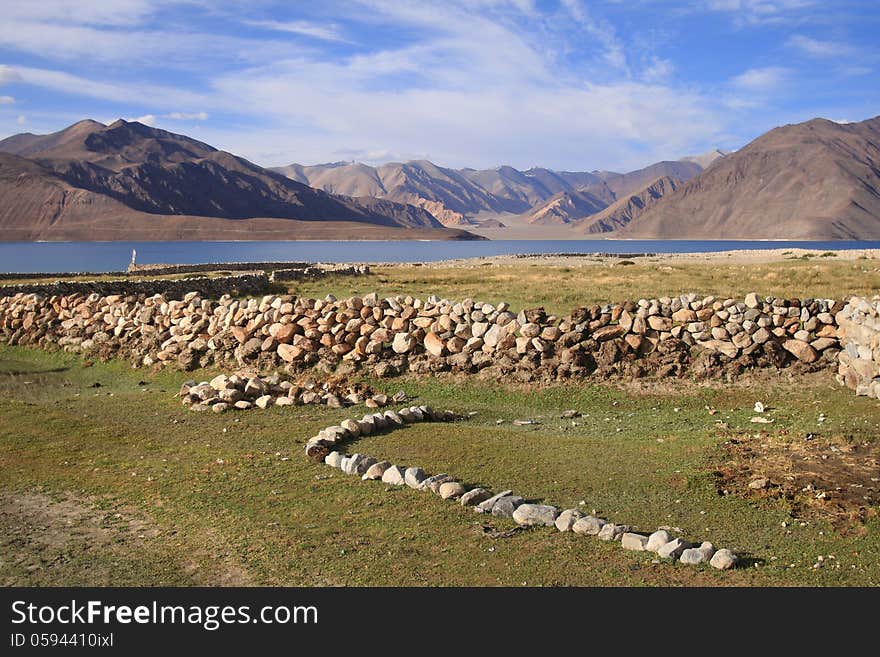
434 345
474 497
376 470
657 540
635 542
567 518
333 459
393 475
723 560
451 490
535 514
801 350
413 477
505 507
673 549
486 505
612 532
588 525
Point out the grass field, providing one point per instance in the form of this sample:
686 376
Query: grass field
119 484
106 479
560 288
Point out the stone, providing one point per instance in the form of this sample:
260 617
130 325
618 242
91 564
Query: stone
220 407
264 402
352 426
451 490
567 519
612 532
352 463
692 556
433 482
801 350
403 343
635 542
723 560
657 540
333 459
474 497
570 414
673 549
243 405
588 525
434 345
759 483
413 477
393 475
363 465
376 470
535 514
505 507
752 300
284 401
486 505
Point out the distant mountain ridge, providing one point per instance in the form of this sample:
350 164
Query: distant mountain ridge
455 196
127 169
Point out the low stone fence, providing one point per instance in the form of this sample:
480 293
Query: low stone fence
504 504
859 331
241 284
670 336
318 271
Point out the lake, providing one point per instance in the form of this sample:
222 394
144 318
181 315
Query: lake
59 257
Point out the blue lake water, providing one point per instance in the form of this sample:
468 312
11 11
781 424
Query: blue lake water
57 257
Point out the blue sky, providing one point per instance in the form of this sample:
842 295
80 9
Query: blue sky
567 84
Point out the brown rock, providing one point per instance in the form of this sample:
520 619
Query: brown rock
801 350
434 345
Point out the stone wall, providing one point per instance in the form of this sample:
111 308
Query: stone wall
313 267
859 331
241 284
703 336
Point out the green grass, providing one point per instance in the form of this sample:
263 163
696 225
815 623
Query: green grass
231 499
559 289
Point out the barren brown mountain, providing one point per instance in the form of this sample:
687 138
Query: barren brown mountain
623 211
131 181
456 196
813 180
565 208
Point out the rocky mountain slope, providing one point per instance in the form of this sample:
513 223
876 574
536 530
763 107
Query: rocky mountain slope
813 180
628 208
123 177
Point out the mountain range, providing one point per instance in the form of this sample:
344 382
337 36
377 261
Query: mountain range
125 181
129 181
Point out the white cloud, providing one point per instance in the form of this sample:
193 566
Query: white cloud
659 70
186 116
146 119
764 11
6 100
21 119
817 48
8 75
764 79
303 28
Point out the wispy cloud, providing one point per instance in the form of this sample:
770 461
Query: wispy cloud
186 116
325 32
764 79
764 11
6 100
820 48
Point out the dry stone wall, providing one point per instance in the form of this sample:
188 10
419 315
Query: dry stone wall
859 331
242 284
665 337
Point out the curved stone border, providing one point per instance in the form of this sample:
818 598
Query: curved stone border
504 504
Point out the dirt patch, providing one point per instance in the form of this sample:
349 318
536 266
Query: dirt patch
823 477
91 541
